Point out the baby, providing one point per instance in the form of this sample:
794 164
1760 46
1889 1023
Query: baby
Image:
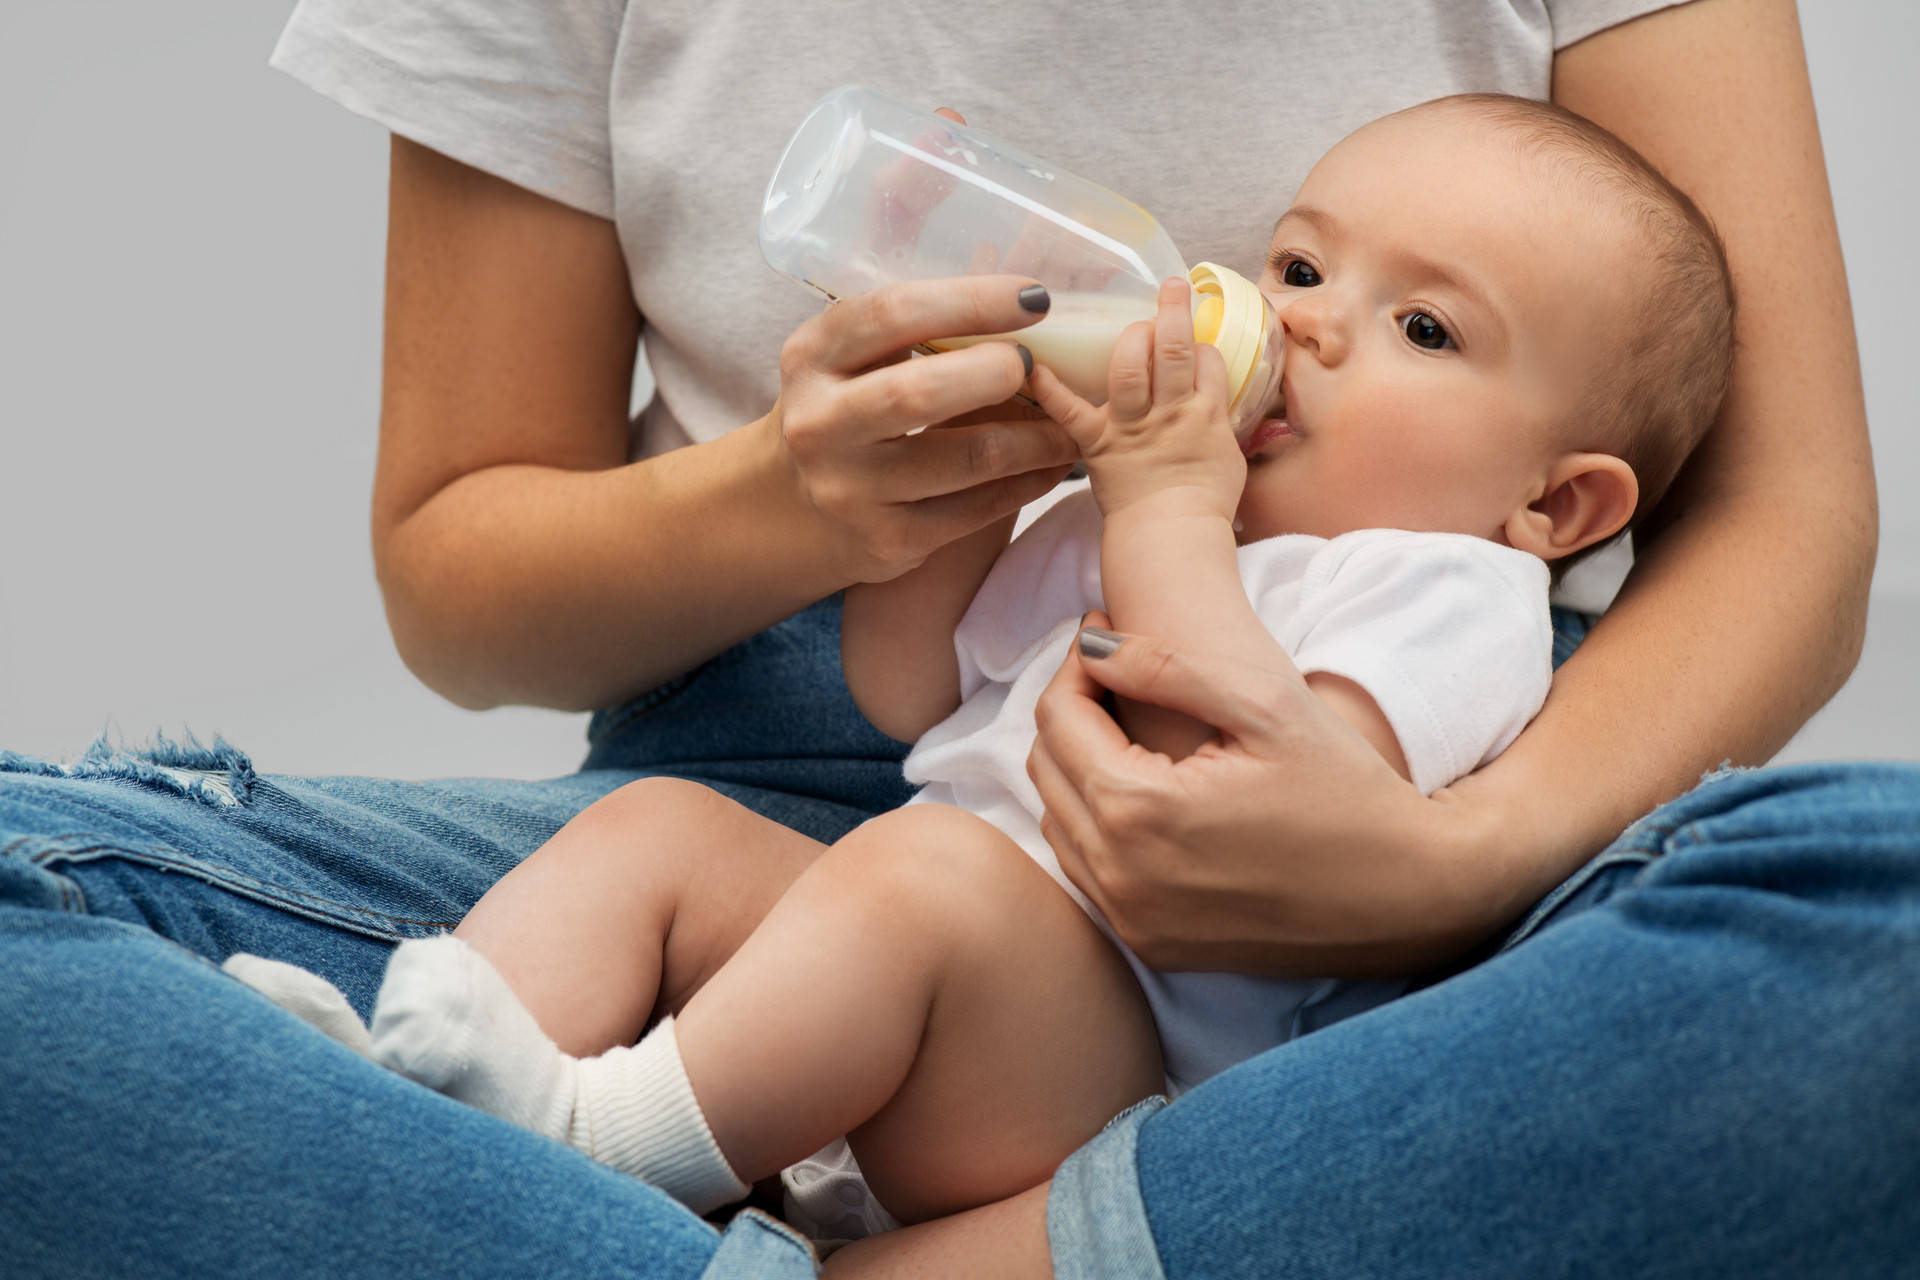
1504 332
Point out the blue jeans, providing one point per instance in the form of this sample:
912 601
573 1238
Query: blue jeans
1700 1064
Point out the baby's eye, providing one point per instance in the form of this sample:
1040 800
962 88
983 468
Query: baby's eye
1298 274
1424 331
1291 270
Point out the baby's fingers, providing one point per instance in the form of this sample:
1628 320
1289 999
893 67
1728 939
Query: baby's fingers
1173 359
1081 420
1130 375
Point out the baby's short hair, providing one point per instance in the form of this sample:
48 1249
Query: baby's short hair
1655 402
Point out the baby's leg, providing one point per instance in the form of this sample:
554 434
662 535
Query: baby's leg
926 989
632 906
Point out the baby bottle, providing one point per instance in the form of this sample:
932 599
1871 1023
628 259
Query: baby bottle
871 190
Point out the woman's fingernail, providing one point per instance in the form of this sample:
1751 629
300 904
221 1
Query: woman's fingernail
1026 356
1035 298
1095 642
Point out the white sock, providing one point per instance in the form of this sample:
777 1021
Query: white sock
446 1018
636 1113
307 996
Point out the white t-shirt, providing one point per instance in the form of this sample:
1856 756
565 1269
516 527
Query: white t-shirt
1448 634
667 117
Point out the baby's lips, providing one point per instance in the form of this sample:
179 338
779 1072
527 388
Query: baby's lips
1265 432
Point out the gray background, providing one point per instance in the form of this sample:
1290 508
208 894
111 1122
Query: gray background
190 277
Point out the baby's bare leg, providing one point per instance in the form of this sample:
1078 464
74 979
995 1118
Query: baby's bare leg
926 989
633 904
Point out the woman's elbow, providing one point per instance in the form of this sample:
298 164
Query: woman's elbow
1861 551
433 631
429 646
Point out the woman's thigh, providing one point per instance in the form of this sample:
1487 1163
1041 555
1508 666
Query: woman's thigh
193 843
1696 1059
769 723
153 1103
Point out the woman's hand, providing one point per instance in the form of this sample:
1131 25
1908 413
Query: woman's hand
849 401
1287 847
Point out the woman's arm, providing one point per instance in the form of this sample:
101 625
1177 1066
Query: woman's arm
1743 616
523 559
1747 607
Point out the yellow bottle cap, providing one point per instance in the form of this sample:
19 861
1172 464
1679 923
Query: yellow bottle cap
1207 311
1231 314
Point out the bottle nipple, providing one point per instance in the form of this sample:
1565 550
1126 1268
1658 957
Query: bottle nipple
1231 313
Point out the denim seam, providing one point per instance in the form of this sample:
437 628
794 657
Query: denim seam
652 700
1097 1222
336 913
73 899
757 1246
1645 840
1570 886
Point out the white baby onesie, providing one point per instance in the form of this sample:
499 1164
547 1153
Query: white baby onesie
1449 634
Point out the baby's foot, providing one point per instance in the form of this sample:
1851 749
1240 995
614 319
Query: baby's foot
446 1018
307 996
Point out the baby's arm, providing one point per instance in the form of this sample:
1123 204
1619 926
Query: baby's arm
896 637
1168 475
1170 570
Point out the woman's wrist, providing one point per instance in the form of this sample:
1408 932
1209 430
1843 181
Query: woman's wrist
815 551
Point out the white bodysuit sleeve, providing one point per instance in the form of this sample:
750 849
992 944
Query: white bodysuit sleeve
1049 572
1449 634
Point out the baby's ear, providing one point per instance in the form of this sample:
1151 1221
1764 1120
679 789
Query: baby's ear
1588 497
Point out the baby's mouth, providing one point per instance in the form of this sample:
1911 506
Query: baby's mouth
1274 426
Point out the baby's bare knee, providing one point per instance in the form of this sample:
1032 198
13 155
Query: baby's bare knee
653 808
944 866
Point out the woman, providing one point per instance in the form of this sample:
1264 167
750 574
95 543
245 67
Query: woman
568 176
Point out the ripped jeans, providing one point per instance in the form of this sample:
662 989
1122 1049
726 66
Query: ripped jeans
1699 1057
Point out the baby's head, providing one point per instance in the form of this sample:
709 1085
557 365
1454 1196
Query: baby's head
1500 321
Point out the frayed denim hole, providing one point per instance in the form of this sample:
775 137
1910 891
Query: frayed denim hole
220 775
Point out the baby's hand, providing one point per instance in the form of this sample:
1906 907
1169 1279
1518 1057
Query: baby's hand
1164 426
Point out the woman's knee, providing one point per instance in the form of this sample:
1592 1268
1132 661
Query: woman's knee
1816 831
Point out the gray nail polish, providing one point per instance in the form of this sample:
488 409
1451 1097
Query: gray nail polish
1035 298
1026 356
1096 642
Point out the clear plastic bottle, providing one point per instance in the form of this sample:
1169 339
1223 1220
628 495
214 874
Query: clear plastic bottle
871 190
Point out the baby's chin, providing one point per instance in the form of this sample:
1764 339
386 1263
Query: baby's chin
1250 527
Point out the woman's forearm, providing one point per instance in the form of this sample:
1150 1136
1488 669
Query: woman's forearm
523 559
1736 626
577 588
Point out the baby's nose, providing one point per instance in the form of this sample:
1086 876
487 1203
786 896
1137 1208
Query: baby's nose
1298 332
1307 326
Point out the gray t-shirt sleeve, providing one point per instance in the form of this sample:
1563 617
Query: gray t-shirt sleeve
519 90
1575 20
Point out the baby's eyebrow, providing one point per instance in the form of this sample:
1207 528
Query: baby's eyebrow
1318 219
1447 278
